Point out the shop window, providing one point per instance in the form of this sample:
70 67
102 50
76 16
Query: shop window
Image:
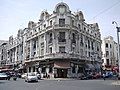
73 69
80 70
43 70
50 70
33 68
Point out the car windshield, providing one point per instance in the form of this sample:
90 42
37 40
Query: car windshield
2 73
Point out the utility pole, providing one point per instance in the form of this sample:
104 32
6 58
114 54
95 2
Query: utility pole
118 30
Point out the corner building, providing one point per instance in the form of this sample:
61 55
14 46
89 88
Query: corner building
61 44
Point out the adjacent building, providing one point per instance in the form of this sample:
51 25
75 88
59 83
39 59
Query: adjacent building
110 53
60 45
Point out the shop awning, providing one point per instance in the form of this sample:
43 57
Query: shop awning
61 64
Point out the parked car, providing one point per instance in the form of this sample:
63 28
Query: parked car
96 76
3 76
83 77
31 77
38 75
23 75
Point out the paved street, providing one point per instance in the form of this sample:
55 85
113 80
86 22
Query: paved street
59 85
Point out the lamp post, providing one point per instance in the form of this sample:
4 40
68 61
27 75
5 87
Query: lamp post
118 30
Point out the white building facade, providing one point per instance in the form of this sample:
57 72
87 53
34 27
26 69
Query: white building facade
110 53
60 45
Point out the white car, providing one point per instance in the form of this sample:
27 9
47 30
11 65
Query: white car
31 77
3 76
23 75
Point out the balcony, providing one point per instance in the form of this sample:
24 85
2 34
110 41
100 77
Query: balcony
65 56
60 40
57 26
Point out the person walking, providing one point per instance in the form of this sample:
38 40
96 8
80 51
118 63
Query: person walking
104 76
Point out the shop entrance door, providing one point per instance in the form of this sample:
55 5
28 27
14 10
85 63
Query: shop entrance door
62 73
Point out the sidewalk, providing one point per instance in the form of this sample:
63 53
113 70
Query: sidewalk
58 79
117 82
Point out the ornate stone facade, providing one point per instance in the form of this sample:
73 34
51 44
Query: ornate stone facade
60 44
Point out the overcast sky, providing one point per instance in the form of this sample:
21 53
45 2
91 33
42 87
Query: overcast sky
15 14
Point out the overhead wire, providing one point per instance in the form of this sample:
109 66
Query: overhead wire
105 10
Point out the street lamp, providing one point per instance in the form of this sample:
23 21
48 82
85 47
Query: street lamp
118 30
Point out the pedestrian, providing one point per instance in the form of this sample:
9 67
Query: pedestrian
104 76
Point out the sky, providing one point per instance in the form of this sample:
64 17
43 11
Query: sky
15 14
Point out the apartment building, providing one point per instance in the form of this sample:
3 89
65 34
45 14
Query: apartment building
110 53
60 45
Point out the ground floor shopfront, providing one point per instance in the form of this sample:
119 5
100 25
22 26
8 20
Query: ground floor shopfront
61 68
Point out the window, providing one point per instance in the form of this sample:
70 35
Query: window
88 44
44 25
78 26
50 50
73 69
51 23
106 45
43 70
29 69
92 46
62 49
107 53
89 54
42 51
61 37
42 45
80 69
50 38
110 46
84 29
39 28
61 22
73 38
50 69
107 61
72 22
33 68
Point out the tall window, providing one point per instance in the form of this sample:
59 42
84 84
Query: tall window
62 49
73 69
110 46
73 38
107 61
42 51
51 23
106 45
78 26
29 69
107 53
33 68
50 38
61 37
72 22
50 50
61 22
88 44
92 46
